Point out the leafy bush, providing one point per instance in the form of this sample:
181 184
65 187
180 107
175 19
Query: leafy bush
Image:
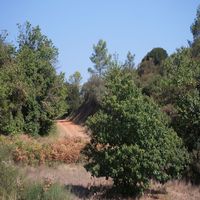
131 141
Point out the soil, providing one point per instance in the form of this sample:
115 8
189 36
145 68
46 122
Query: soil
68 129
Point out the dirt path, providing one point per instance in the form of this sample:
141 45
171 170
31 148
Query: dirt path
68 129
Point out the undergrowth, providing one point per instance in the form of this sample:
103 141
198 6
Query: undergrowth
13 185
30 151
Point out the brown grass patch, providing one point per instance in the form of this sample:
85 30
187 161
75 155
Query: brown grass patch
30 151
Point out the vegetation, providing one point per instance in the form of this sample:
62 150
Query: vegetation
13 186
144 121
136 145
30 151
74 99
32 94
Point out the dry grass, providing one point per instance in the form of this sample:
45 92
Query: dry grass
172 190
30 151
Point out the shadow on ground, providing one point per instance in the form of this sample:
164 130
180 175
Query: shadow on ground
93 192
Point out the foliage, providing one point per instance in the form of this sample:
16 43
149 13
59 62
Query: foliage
157 55
129 62
195 29
100 58
32 94
131 141
93 89
150 70
73 88
178 93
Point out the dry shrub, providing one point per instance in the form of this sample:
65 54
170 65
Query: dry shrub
66 150
29 151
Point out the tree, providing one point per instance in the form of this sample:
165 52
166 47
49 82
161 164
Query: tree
157 55
179 94
46 96
150 70
93 89
131 141
129 62
33 95
195 29
73 86
180 87
12 90
100 58
7 50
75 79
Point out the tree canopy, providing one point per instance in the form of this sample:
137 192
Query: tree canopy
33 95
131 141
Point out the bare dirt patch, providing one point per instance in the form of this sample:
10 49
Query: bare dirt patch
68 129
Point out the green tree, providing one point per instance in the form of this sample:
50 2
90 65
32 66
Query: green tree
75 79
33 95
12 90
129 62
131 141
179 94
150 70
47 92
74 87
195 29
182 84
157 55
93 89
100 58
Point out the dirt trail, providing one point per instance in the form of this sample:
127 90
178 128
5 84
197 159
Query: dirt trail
68 129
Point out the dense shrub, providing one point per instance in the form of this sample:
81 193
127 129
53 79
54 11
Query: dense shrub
131 141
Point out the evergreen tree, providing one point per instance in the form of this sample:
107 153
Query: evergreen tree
100 58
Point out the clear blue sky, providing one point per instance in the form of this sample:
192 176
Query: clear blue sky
126 25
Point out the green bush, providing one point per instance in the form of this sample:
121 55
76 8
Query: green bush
131 141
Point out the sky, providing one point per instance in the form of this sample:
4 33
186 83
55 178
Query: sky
75 26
